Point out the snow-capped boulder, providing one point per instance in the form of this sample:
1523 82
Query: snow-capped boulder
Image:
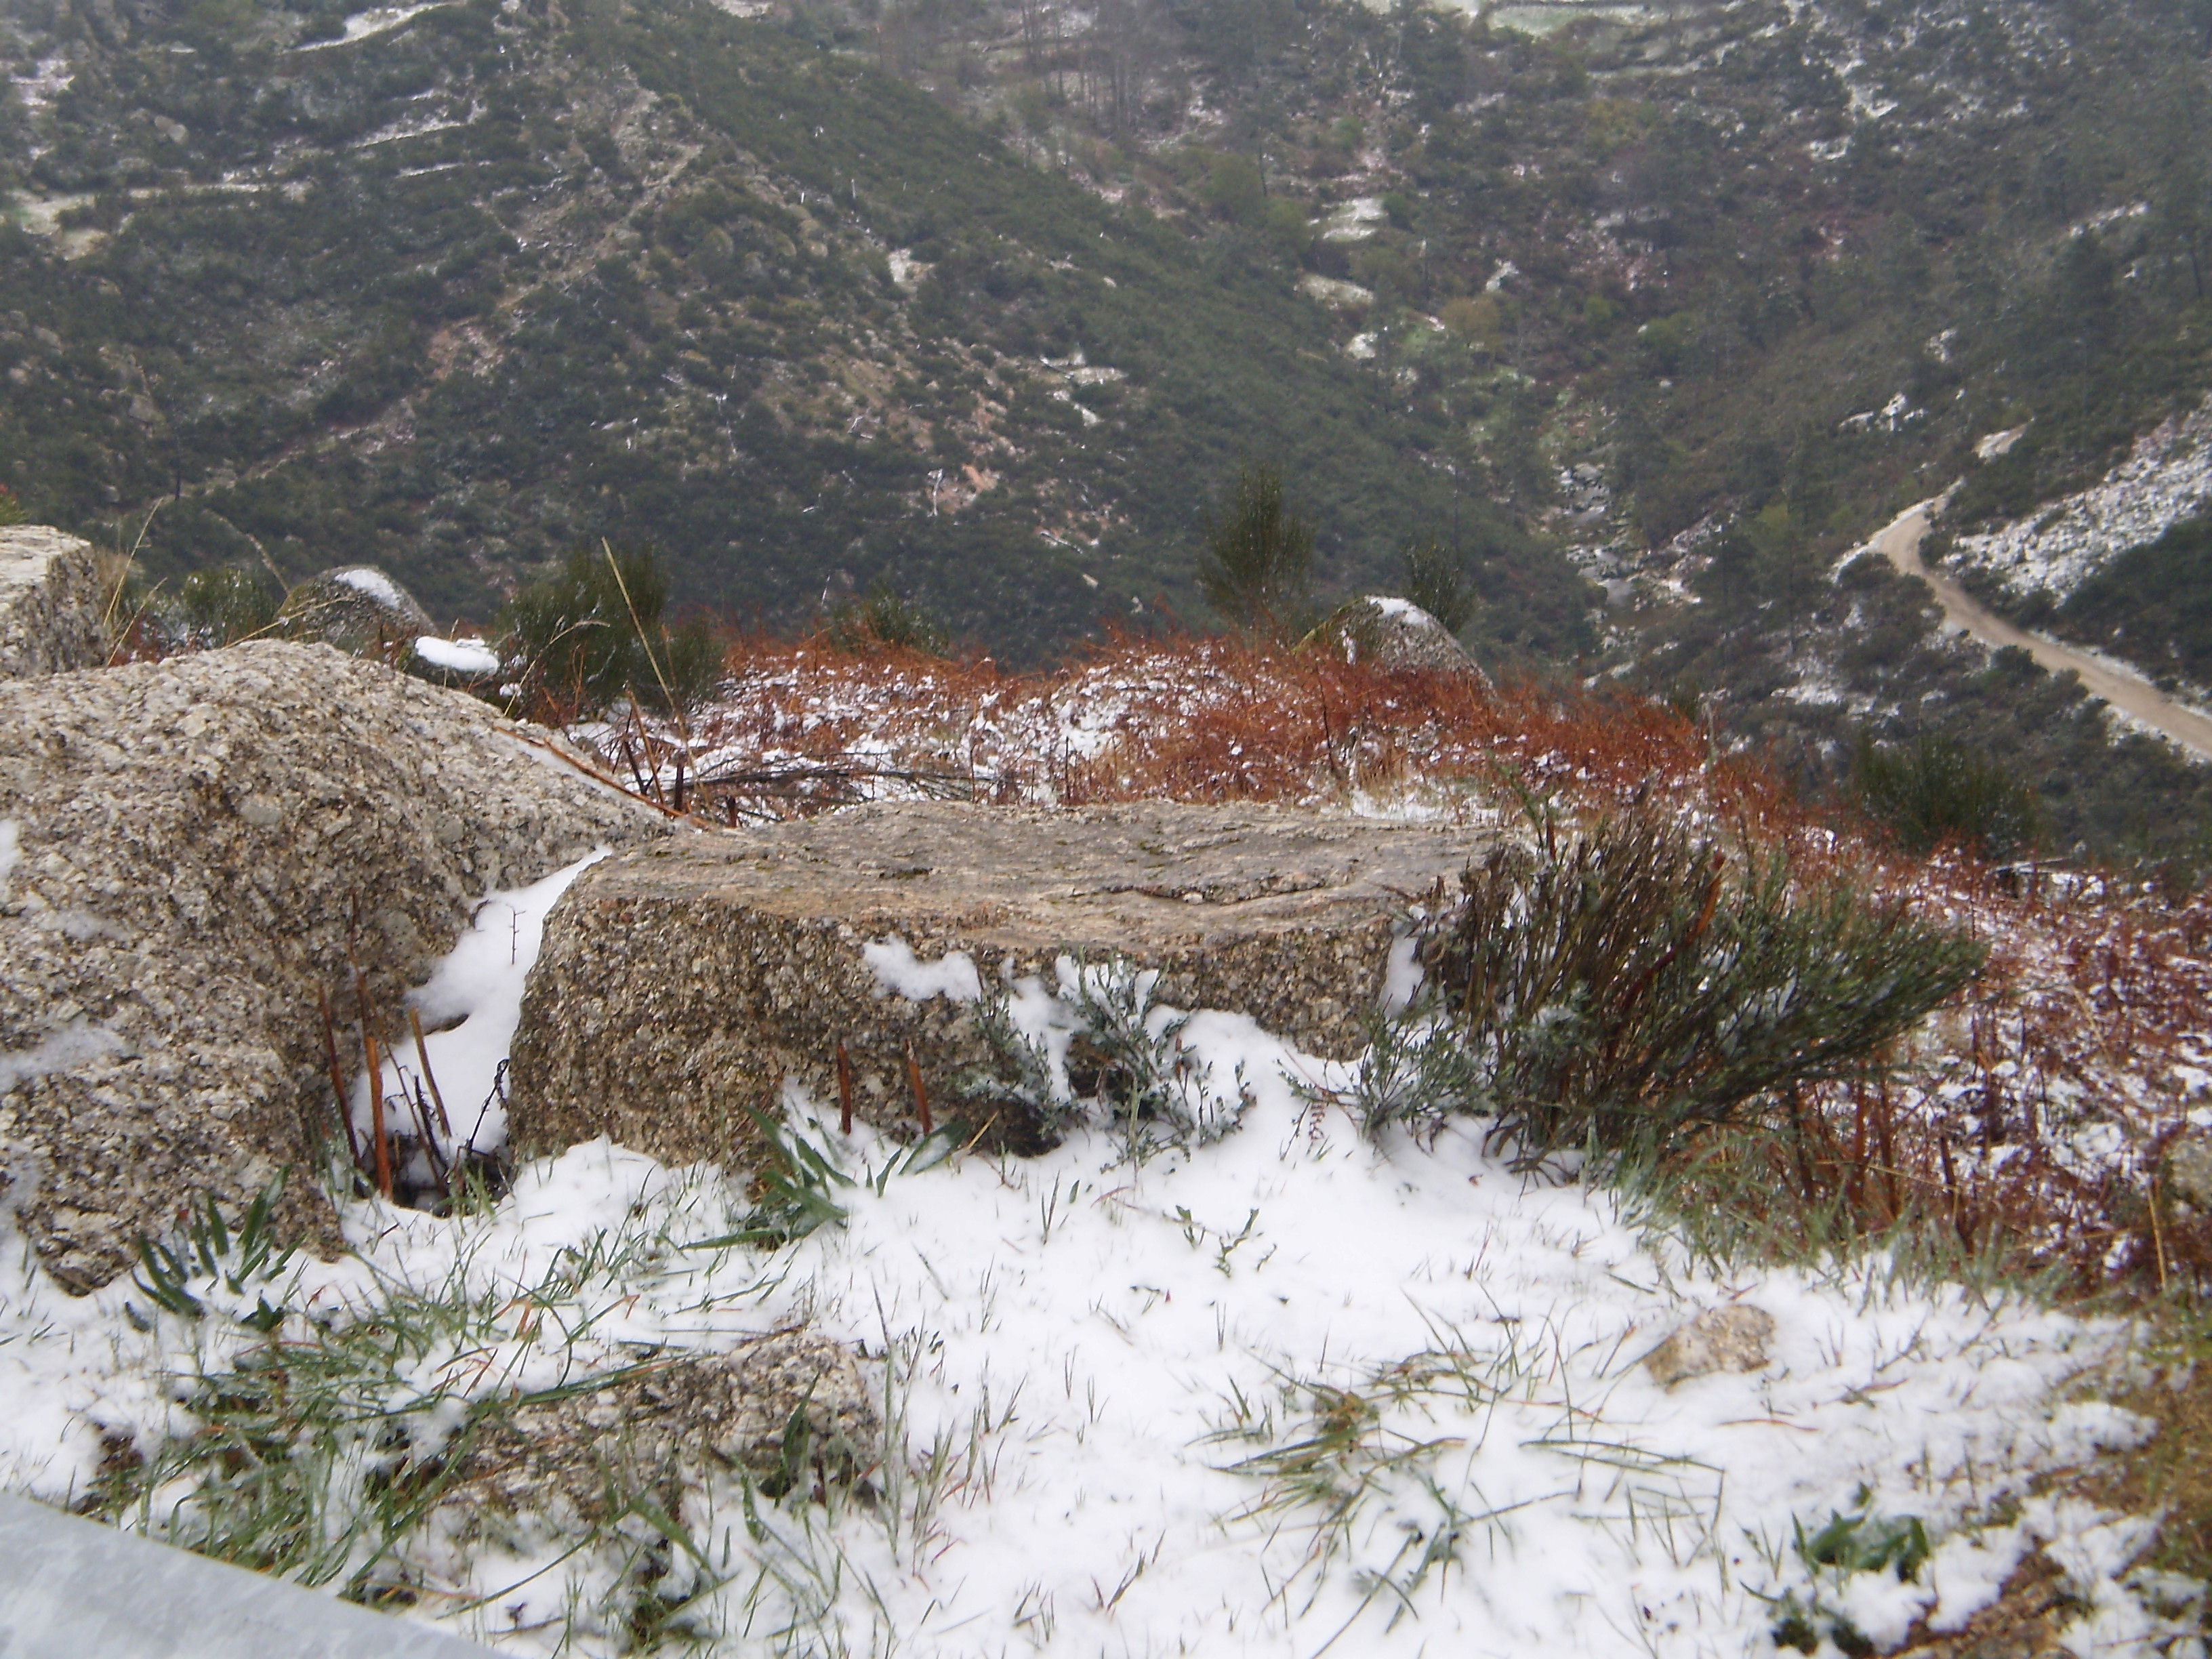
1394 634
679 985
50 604
191 852
356 608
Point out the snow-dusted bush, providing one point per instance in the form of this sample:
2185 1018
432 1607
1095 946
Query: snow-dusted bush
1620 986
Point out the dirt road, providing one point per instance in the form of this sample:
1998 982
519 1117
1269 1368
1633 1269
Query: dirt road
2126 691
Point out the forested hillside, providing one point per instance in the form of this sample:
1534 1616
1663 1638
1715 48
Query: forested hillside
478 285
987 303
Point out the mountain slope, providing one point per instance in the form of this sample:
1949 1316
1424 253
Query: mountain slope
457 293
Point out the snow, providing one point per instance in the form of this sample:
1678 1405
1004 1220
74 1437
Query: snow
469 656
1404 610
378 19
2167 477
1103 1379
900 974
469 1008
373 583
73 1044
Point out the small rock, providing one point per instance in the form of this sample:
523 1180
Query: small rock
2188 1168
356 608
1728 1339
664 1429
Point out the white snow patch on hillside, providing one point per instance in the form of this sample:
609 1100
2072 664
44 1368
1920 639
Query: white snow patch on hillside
2166 478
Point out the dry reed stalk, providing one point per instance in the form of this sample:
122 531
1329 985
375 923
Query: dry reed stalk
921 1093
422 1057
381 1147
845 1087
337 1077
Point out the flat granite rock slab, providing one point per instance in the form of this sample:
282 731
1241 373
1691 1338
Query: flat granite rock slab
50 603
681 984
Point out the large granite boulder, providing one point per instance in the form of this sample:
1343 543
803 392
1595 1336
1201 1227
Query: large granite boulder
190 850
50 604
1396 636
679 985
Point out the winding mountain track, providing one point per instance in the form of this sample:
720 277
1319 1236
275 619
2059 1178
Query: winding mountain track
2126 691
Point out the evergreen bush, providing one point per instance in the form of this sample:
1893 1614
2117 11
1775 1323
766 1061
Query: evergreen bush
229 603
1620 988
1437 581
592 633
1935 793
1257 570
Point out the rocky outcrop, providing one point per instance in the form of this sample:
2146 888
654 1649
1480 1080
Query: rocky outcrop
679 985
50 604
356 608
659 1430
1396 636
189 851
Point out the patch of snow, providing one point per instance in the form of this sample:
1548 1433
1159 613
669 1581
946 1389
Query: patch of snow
378 19
1404 610
373 583
72 1045
900 973
907 271
469 656
470 1007
1334 291
1999 443
2167 477
1362 346
1104 1381
1355 220
1504 273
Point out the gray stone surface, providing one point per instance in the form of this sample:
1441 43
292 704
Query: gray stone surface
679 983
71 1589
1732 1338
188 850
356 608
1396 636
2188 1168
50 604
660 1432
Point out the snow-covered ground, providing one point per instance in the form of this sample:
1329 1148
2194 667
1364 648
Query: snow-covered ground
1291 1391
2167 477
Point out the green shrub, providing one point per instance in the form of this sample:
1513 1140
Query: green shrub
592 633
1935 793
1621 988
11 510
233 602
1257 570
1437 581
885 621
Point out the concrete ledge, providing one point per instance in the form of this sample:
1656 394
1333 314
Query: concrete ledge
679 985
71 1589
50 620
